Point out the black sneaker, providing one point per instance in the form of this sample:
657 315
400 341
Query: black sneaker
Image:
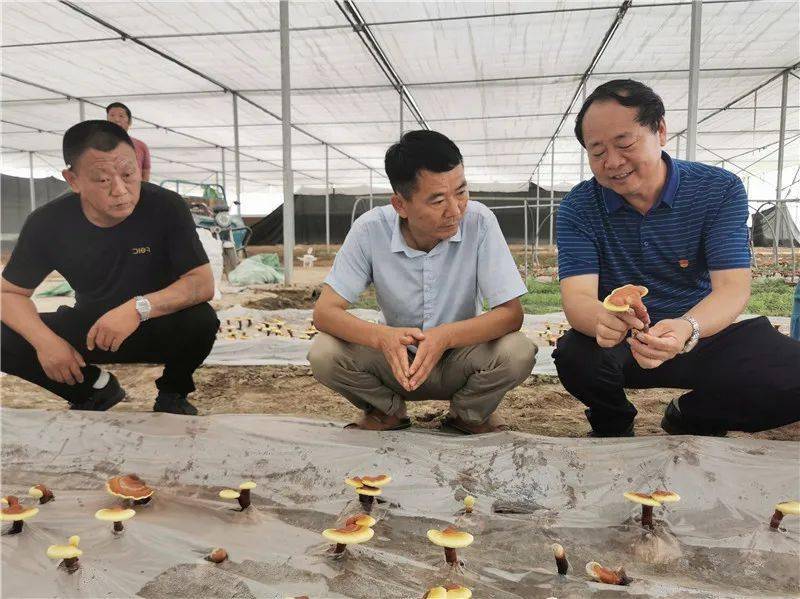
674 423
174 403
102 399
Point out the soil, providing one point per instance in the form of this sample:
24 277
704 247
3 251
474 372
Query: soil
539 406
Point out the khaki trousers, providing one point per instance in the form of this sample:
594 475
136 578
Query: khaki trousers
473 378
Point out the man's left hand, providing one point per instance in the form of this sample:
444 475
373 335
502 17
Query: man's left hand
113 328
429 352
664 341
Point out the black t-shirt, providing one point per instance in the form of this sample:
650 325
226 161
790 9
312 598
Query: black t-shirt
106 267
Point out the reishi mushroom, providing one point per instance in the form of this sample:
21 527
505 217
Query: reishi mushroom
448 591
243 494
787 507
360 520
561 559
217 555
451 539
469 504
42 493
68 553
16 513
607 575
647 503
130 487
117 515
368 488
351 534
626 297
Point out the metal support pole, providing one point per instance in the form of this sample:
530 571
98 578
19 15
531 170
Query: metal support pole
536 226
694 80
82 110
370 189
236 153
678 146
216 177
778 227
583 150
525 217
552 186
32 182
327 205
286 117
401 112
755 115
224 184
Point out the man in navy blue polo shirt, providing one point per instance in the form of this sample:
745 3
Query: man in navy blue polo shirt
680 229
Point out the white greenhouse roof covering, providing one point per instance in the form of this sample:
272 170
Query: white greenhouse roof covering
497 77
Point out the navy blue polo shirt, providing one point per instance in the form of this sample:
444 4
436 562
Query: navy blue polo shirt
698 224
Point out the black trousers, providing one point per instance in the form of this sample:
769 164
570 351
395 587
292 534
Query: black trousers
744 378
180 341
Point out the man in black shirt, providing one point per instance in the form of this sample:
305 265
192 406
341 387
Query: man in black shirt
141 279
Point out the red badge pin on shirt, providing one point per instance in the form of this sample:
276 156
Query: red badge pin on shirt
683 263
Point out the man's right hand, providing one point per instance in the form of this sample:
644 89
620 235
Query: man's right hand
612 328
60 361
394 342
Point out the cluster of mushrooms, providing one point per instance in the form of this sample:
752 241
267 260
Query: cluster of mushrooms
240 327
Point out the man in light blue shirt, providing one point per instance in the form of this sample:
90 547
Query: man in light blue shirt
433 257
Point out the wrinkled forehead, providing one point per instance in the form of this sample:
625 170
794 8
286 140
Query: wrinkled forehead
120 159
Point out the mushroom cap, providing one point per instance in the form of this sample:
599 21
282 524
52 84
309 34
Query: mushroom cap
217 555
608 304
129 486
789 507
247 485
469 502
115 514
371 491
640 498
15 512
450 538
369 481
592 569
558 550
9 500
37 491
360 520
229 494
435 593
349 535
65 551
456 591
665 496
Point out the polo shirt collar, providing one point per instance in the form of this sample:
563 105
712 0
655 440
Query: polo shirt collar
614 201
398 243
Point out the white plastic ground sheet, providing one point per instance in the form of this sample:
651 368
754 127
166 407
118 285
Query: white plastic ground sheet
530 492
260 349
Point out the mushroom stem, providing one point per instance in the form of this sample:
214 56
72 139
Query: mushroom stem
776 519
142 501
244 498
118 527
16 527
561 559
647 516
71 564
450 556
367 501
339 548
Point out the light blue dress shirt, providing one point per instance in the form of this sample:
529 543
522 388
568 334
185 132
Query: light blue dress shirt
427 289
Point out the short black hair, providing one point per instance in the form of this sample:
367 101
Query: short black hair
628 93
416 151
119 105
95 134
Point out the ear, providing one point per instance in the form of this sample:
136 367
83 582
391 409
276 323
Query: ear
72 179
662 132
399 204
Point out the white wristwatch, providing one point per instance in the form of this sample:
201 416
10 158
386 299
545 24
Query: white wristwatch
692 341
143 307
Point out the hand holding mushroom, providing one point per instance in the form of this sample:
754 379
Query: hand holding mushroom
626 298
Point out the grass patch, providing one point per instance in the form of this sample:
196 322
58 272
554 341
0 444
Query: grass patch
771 297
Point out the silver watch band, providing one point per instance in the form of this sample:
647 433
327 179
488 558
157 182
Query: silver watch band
692 341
